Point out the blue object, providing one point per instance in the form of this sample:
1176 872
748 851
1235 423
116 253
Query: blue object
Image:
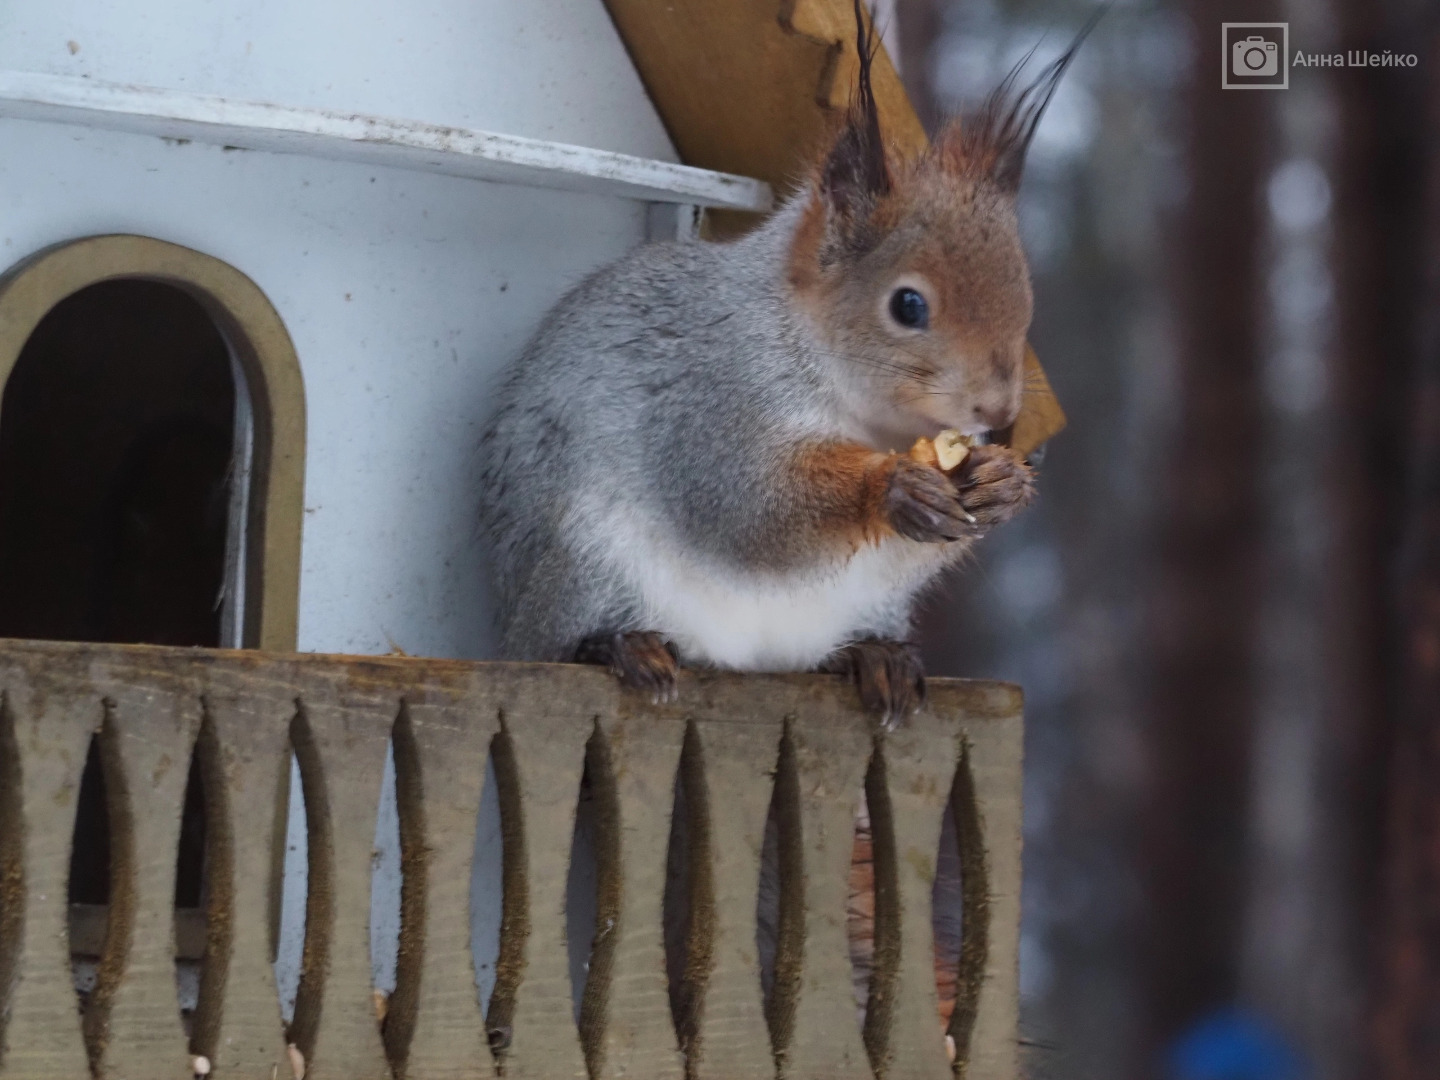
1234 1044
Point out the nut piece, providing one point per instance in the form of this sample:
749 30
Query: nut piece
946 452
924 452
200 1065
952 449
297 1061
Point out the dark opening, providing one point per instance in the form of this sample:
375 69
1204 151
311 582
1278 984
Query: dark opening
189 886
116 434
190 893
116 431
90 853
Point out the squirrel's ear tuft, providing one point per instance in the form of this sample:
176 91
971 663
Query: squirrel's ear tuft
855 173
993 142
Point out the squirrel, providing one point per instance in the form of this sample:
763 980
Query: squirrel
691 461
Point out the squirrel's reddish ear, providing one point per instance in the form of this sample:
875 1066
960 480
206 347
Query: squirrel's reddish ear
956 151
993 142
855 172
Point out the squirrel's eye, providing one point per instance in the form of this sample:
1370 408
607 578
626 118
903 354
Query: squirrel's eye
908 308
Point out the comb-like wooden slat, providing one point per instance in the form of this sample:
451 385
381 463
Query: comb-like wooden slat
995 760
349 716
739 753
920 768
153 728
638 1034
452 724
55 713
251 709
831 756
548 741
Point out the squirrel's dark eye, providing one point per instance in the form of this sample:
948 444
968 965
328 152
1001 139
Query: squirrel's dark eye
908 308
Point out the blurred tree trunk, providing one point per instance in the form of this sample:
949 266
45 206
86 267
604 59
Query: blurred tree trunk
1204 608
1386 499
1373 223
918 26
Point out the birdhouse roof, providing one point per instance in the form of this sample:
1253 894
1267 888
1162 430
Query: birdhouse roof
753 86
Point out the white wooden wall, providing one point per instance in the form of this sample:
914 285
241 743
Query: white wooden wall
547 69
404 291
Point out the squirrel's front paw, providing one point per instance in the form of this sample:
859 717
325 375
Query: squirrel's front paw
995 485
921 503
640 659
888 674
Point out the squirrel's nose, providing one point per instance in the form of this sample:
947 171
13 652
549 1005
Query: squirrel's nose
994 417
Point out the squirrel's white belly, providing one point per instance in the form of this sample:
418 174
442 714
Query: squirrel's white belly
774 622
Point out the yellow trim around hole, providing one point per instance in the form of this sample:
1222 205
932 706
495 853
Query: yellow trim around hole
261 344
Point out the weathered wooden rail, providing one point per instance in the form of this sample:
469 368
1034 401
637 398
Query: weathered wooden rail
796 740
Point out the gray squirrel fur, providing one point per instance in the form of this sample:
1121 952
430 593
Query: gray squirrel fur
658 458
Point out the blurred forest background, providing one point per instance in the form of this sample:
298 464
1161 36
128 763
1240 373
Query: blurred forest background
1225 608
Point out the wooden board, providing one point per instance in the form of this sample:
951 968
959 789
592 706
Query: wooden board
543 725
394 142
753 86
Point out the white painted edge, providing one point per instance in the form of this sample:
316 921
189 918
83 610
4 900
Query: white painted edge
372 140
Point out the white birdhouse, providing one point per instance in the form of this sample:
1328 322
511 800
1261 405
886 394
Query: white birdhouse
260 263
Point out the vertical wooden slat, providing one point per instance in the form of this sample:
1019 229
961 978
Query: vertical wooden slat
548 729
55 714
639 1034
995 759
12 859
453 727
739 766
251 711
155 723
920 763
349 712
831 750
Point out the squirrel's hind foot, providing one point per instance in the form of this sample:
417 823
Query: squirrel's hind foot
888 675
640 659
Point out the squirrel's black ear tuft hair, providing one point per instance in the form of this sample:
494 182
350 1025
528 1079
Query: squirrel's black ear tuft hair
1000 135
855 171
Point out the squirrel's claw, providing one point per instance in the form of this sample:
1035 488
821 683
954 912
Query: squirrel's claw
641 659
887 674
922 504
996 485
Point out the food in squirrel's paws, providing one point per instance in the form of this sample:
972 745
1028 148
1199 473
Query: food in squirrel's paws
946 452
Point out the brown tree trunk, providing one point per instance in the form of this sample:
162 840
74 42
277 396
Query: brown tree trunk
1203 611
1390 361
1374 261
918 28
